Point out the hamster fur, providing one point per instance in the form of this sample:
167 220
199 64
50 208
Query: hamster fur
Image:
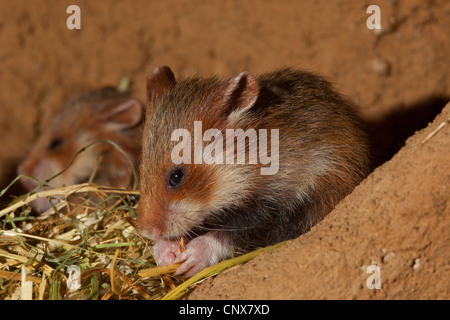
222 209
100 114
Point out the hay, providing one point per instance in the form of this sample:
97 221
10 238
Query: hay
98 238
85 249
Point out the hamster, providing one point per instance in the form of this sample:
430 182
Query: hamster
100 114
222 209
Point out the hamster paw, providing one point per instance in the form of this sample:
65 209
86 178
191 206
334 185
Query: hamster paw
165 251
202 252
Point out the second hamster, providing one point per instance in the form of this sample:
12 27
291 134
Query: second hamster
100 114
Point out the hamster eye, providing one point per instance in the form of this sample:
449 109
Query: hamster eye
54 144
176 177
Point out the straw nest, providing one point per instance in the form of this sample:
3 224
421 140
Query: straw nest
85 249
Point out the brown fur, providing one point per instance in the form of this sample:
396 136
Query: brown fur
85 118
323 156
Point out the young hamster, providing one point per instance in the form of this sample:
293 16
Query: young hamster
100 114
220 208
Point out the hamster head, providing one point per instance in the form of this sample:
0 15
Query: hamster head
177 198
100 114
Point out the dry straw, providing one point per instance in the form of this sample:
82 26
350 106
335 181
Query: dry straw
84 248
98 237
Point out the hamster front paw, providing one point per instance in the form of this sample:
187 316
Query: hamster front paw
201 252
197 254
166 251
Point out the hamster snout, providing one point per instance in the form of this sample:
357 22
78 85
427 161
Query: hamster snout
222 206
87 117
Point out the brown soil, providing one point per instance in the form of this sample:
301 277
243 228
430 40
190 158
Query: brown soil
398 218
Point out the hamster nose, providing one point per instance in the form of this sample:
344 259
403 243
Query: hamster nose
28 183
20 170
152 234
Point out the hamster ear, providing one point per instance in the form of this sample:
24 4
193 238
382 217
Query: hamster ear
239 95
123 115
158 83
